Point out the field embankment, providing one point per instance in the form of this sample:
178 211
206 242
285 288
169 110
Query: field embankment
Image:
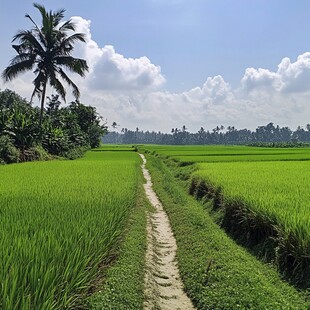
265 206
259 195
216 272
121 285
163 286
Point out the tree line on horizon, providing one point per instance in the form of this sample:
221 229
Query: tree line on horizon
268 135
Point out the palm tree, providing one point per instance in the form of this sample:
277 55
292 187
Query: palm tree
47 50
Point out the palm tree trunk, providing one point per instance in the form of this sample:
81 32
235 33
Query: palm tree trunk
42 105
41 111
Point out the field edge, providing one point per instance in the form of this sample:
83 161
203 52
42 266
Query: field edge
211 278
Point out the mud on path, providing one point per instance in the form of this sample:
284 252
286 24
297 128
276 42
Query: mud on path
163 286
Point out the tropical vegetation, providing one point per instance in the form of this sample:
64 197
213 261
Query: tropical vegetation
66 131
48 50
268 135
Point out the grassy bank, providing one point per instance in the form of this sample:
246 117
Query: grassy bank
265 207
259 195
122 285
217 273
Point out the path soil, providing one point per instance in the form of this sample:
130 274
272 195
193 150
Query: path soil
163 286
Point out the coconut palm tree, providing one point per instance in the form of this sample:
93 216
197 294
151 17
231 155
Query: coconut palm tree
47 51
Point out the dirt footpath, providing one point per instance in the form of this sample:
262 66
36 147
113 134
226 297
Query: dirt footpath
163 286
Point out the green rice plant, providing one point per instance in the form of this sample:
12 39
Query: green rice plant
59 221
271 194
221 153
216 272
242 157
261 195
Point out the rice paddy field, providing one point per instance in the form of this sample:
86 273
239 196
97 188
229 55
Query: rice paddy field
59 221
269 186
197 154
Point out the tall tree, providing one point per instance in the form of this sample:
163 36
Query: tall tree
47 50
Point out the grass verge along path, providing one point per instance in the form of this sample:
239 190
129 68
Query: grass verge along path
163 286
216 272
123 283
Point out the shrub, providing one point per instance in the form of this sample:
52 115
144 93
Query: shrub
8 152
36 153
75 153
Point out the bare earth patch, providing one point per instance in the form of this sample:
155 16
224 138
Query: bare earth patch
163 286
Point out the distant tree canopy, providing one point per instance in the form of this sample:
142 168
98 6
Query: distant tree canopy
263 135
65 131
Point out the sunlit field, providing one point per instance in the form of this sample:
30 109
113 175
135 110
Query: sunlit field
269 186
230 153
276 190
59 220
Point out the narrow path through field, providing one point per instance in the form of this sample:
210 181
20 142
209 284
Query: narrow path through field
163 286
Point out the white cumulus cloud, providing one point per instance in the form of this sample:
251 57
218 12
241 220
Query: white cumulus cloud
113 71
295 76
110 70
127 90
291 77
254 79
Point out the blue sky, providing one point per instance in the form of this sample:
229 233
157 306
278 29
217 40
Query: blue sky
192 42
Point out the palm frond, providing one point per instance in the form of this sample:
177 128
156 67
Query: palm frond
17 68
23 57
37 30
66 44
75 65
41 9
75 92
31 19
74 38
54 82
28 41
58 16
47 24
68 25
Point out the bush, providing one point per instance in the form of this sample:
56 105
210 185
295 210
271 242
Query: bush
56 142
36 153
8 152
75 153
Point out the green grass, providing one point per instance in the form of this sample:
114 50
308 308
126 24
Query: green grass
220 153
219 149
115 147
123 286
242 157
217 273
260 196
59 221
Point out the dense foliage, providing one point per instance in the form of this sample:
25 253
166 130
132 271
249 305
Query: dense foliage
66 131
270 134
